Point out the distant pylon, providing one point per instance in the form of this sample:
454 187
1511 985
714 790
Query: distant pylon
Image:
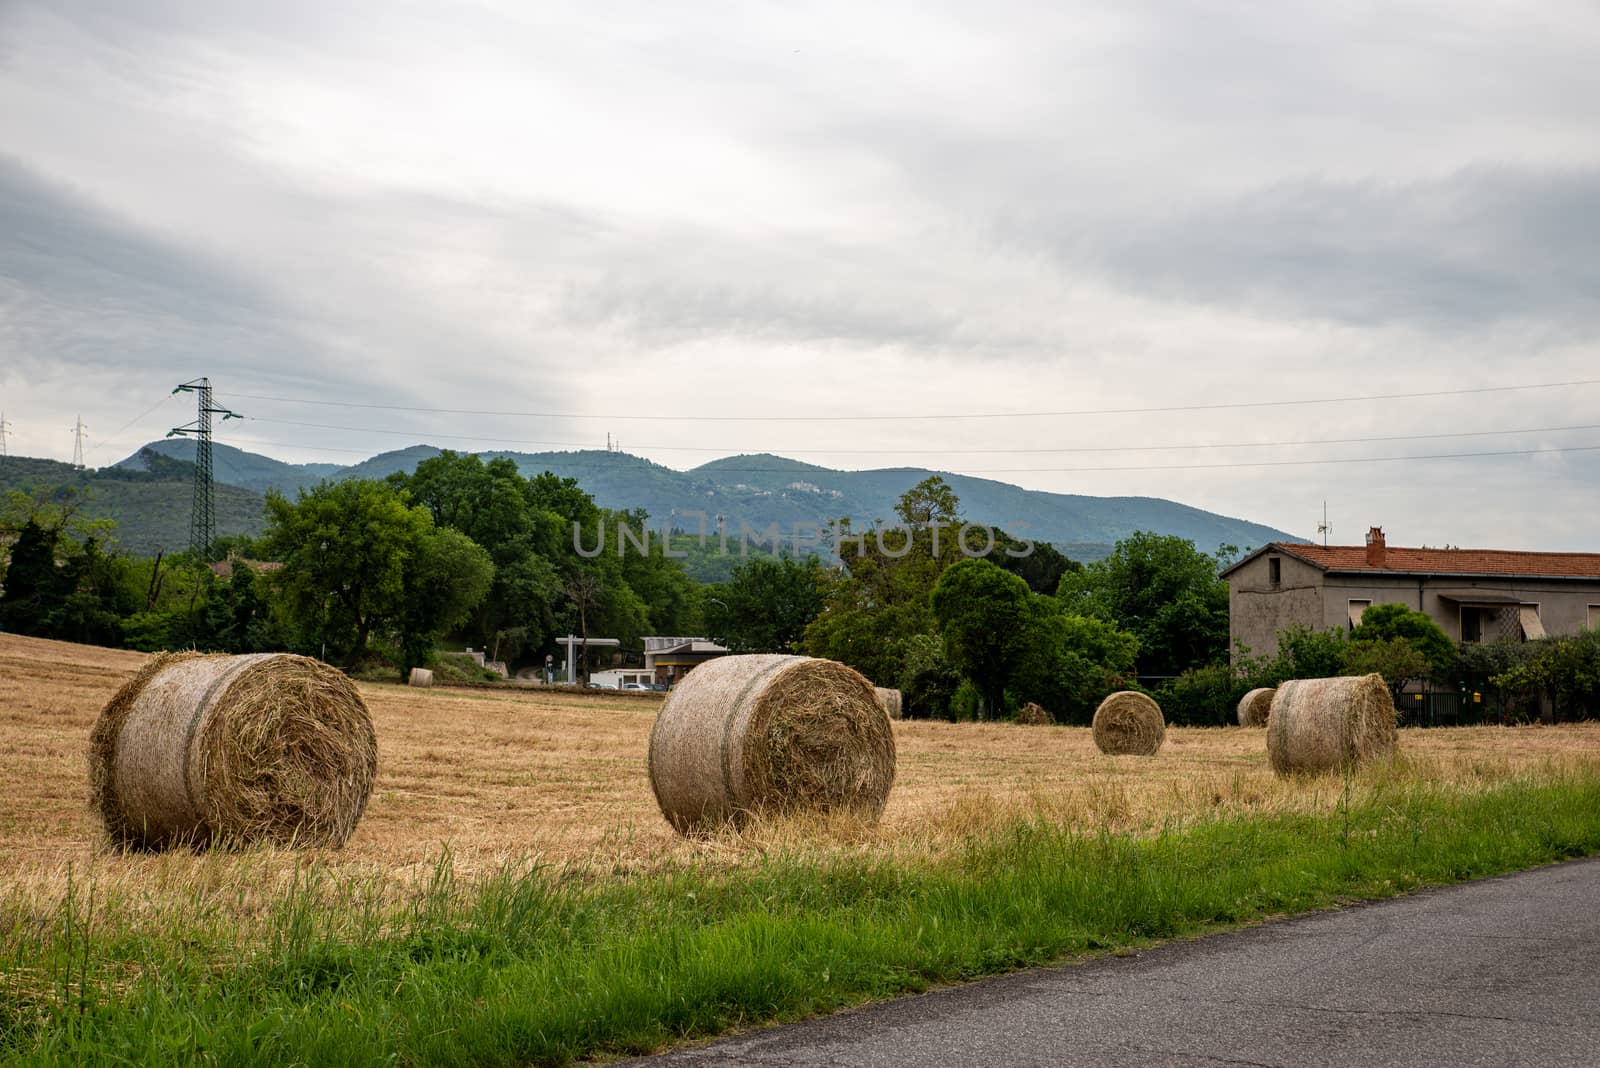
5 432
77 445
202 517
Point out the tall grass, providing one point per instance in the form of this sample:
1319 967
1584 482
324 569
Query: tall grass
539 966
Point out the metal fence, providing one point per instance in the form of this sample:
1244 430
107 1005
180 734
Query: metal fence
1452 708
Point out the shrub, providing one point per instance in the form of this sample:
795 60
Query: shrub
1203 696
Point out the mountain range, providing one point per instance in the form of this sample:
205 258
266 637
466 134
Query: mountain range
756 490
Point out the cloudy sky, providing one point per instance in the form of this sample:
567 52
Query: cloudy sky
864 235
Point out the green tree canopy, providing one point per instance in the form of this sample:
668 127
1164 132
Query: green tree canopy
983 612
928 502
1396 659
1069 663
345 547
1165 592
767 605
444 579
1389 621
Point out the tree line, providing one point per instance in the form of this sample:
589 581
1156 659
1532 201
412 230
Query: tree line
375 575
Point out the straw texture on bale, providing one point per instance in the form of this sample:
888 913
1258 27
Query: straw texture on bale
1034 715
890 700
741 735
1129 723
421 677
199 749
1321 725
1255 706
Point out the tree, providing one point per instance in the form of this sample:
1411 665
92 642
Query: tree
34 585
927 681
929 501
1165 592
1396 659
1042 567
1566 669
502 512
1389 621
982 611
345 547
445 578
1303 653
1069 663
767 605
879 600
583 590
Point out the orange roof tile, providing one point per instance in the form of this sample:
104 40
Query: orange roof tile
1502 562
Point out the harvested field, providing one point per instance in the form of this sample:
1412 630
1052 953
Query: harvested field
508 777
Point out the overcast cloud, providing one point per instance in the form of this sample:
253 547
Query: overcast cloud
617 210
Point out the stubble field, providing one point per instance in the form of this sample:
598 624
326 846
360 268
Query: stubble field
493 779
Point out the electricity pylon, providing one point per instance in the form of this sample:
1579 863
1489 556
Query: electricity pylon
77 445
202 518
5 432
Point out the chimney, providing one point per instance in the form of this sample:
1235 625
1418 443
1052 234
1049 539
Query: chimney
1376 549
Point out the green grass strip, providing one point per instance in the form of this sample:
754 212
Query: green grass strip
526 970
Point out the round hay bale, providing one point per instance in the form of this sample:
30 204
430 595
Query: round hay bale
1129 723
1034 715
201 749
1255 706
1319 725
421 677
890 700
769 733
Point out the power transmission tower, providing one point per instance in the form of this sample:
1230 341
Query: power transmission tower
77 445
5 432
202 518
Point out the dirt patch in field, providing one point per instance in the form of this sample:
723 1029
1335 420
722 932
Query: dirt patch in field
517 776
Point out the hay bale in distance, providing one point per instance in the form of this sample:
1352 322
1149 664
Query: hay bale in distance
421 677
890 699
1255 706
1034 715
201 749
1319 725
769 733
1129 723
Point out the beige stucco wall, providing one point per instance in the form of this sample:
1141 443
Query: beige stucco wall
1259 610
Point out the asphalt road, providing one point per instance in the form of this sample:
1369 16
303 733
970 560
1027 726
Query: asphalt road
1504 971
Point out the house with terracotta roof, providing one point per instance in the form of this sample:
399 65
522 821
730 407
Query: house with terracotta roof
1476 595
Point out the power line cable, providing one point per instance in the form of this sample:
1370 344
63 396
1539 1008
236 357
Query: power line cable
112 439
728 450
887 417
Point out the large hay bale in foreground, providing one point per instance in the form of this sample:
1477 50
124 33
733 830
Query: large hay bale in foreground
1255 706
1129 723
769 733
201 749
1329 724
421 677
891 700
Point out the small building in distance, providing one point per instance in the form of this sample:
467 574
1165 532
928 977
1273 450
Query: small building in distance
669 659
1475 595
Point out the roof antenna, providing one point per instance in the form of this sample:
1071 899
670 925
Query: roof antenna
1324 528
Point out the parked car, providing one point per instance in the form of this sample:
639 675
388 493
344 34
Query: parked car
637 686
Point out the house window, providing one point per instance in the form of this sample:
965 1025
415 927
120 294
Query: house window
1594 616
1356 610
1492 622
1274 570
